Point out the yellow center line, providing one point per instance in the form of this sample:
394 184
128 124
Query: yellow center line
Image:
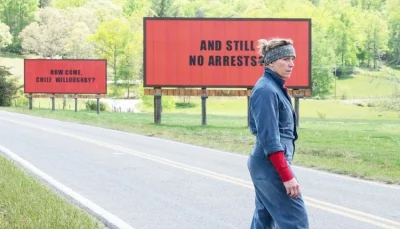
325 206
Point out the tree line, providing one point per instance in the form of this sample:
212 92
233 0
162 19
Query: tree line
345 33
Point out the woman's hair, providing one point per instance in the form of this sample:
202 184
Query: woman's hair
265 45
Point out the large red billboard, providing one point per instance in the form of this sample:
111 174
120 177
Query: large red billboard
65 76
215 52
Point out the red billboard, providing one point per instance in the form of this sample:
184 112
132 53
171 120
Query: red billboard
63 76
215 52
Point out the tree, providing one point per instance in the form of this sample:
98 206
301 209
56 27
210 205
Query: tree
8 87
377 38
369 5
394 27
111 39
5 36
134 6
64 4
77 46
164 8
104 10
46 36
84 15
17 14
44 3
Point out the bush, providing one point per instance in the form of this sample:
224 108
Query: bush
20 100
147 100
92 105
8 87
321 115
115 91
167 102
392 104
185 105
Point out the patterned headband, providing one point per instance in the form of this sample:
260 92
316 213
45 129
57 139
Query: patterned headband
278 53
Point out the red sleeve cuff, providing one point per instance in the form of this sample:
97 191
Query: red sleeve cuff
279 161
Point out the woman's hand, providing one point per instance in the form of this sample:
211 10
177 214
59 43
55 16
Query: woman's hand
292 188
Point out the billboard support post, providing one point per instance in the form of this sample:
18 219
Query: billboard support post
98 103
53 103
76 102
204 97
297 107
157 106
248 93
30 101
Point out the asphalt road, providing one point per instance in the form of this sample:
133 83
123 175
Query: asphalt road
148 182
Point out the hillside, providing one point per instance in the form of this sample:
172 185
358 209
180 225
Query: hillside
368 84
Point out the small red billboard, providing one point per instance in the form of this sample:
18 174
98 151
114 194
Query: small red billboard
216 52
64 76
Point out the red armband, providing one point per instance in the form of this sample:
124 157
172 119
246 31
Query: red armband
279 161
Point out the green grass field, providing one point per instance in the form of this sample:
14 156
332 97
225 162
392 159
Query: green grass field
368 84
320 109
14 62
365 87
27 203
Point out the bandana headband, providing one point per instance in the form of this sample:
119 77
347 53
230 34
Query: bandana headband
278 53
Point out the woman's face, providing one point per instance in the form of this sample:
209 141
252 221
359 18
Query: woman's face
283 67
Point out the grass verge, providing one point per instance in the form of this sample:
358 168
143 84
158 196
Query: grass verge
368 84
358 147
26 203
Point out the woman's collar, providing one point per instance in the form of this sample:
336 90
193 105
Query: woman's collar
274 76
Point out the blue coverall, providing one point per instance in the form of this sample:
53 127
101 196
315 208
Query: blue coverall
272 121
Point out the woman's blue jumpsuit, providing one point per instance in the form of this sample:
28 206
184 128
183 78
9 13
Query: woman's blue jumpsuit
272 121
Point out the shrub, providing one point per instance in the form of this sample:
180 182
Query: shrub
20 100
8 87
167 102
321 115
115 91
185 105
92 105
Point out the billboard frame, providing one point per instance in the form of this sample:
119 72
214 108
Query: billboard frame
145 84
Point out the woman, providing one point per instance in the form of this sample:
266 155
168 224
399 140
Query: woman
278 202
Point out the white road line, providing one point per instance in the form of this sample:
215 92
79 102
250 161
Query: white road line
336 209
369 216
338 212
115 221
349 178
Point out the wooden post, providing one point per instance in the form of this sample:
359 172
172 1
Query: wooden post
297 97
204 97
157 105
98 103
76 102
53 103
30 101
248 92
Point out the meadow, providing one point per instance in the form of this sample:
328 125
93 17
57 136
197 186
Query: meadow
368 84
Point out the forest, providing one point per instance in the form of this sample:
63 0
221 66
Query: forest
345 33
